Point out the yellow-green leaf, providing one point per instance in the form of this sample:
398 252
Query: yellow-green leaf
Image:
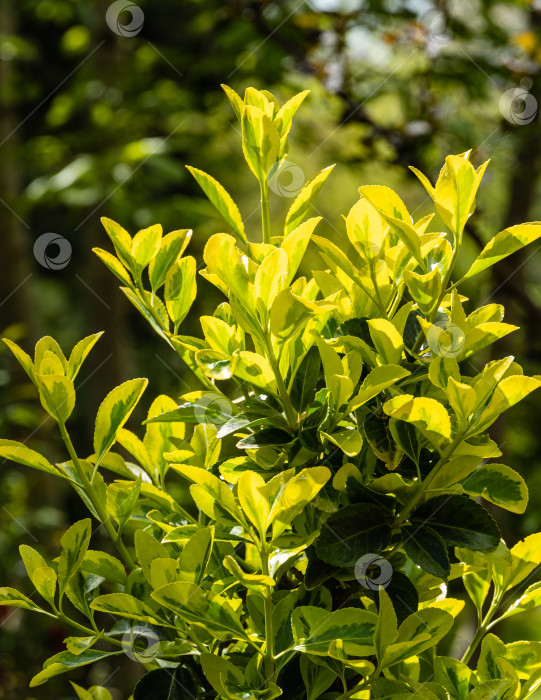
503 244
222 200
252 494
428 415
113 413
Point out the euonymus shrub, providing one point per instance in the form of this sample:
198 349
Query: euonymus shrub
336 458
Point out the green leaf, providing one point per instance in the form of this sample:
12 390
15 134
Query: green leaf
222 200
387 339
477 578
526 556
317 678
350 441
74 543
113 413
503 244
271 277
220 499
387 627
114 265
459 521
284 117
205 609
66 661
258 583
419 631
22 358
103 564
379 379
95 692
217 670
224 260
255 369
147 549
427 549
454 194
295 244
180 289
366 229
57 395
424 289
252 495
195 556
235 100
260 141
171 247
315 629
352 532
498 484
12 597
293 497
79 354
145 245
453 675
17 452
303 388
125 605
428 415
121 240
42 576
121 500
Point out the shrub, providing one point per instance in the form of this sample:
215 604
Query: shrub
335 457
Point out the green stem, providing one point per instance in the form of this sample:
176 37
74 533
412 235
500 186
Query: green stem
482 629
406 512
269 631
382 306
282 389
98 505
265 212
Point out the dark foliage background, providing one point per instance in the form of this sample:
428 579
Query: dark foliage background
95 123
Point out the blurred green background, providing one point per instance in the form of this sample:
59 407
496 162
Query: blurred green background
102 105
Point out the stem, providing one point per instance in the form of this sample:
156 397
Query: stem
382 306
404 515
265 212
98 505
482 629
269 631
282 389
